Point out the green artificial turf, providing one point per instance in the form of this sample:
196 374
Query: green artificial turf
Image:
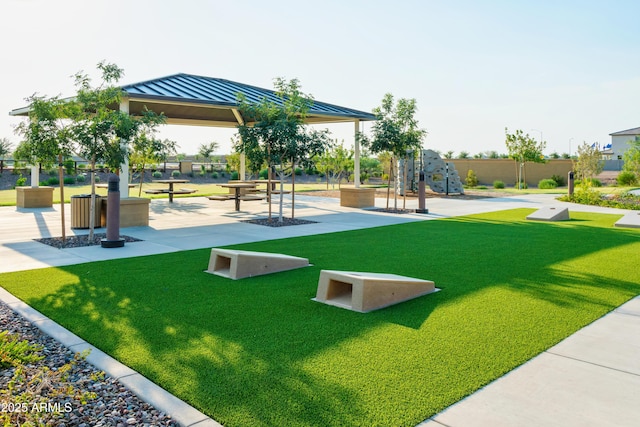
259 352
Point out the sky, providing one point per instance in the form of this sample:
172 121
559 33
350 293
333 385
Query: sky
565 71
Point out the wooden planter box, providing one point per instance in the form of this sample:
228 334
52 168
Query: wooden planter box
34 197
358 197
134 211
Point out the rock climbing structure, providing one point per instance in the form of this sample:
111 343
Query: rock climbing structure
439 173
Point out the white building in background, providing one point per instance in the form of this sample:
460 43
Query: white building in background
620 143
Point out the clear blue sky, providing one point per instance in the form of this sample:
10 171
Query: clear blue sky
568 71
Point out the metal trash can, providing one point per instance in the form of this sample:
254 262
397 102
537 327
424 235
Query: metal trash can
81 211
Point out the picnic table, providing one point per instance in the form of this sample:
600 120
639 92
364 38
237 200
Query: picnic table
237 195
170 190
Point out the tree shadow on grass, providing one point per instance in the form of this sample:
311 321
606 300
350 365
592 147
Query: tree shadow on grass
258 351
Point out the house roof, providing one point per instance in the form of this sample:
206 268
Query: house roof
207 101
634 131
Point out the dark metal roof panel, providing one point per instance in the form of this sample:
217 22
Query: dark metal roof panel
214 91
634 131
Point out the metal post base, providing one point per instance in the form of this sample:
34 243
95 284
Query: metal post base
112 243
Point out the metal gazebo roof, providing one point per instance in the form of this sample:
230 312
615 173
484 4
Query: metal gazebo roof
197 100
188 99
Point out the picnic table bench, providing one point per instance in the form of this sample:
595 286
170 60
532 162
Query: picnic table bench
170 191
237 194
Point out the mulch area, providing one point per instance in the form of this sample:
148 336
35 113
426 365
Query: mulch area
80 241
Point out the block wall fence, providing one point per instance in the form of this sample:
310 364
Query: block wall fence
489 170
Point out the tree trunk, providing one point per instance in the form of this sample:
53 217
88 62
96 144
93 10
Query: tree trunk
141 181
389 180
281 175
92 201
293 188
61 177
404 183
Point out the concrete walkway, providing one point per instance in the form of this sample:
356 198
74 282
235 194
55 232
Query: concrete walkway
590 379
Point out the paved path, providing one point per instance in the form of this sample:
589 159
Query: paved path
590 379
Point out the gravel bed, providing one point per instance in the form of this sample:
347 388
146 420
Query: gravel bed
80 240
113 405
392 210
274 221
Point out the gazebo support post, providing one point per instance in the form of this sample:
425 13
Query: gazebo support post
356 154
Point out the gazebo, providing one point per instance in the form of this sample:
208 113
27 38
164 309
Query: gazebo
191 100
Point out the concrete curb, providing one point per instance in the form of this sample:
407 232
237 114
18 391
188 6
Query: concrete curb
183 413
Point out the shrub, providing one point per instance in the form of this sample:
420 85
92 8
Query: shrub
523 185
175 173
472 179
82 166
264 174
547 184
558 179
33 385
310 171
298 171
69 180
81 178
586 196
592 182
21 181
97 178
14 352
234 176
156 174
498 184
626 178
53 181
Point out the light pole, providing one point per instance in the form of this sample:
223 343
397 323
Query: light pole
540 133
570 139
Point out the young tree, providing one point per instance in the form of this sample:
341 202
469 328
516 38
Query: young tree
588 164
5 148
632 157
147 150
207 150
522 148
275 131
46 137
333 163
396 131
100 132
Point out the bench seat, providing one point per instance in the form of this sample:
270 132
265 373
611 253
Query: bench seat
220 197
184 191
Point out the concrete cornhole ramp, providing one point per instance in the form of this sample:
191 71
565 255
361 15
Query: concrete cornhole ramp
630 220
236 264
550 214
363 292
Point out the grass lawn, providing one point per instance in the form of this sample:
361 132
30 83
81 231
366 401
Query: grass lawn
259 352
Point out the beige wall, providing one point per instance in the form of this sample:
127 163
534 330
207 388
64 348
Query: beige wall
489 170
